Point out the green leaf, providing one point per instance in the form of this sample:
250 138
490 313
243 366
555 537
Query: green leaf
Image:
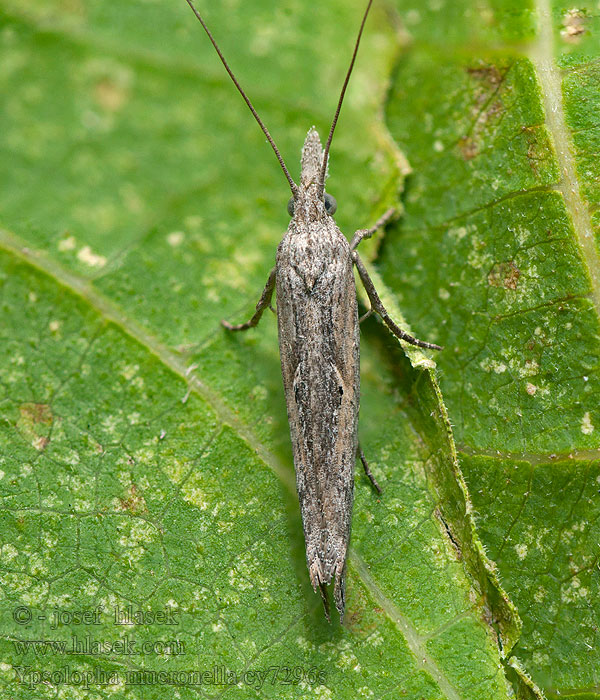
497 258
145 452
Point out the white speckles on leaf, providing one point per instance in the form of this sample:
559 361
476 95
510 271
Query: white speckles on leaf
224 526
375 639
20 583
259 393
489 365
412 17
88 257
50 541
587 427
36 565
129 371
521 550
541 659
460 232
213 295
195 495
176 469
246 572
138 383
479 257
529 369
136 533
175 238
67 244
225 273
573 591
90 588
134 418
51 501
347 659
305 644
8 552
323 693
145 455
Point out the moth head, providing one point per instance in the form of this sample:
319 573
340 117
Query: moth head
311 167
312 158
330 205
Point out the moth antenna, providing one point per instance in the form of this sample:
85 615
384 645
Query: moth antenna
293 185
339 105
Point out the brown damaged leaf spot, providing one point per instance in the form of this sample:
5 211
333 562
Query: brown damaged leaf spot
41 442
486 107
505 274
33 413
486 73
135 502
573 23
35 418
486 80
355 619
468 148
494 110
109 95
469 145
533 157
537 147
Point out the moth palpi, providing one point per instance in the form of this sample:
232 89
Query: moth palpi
318 329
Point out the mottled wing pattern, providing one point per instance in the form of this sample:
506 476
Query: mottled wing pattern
319 349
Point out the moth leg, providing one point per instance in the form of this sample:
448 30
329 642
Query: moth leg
263 303
377 306
368 232
368 471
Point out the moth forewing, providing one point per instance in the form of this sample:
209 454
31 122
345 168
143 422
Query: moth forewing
317 319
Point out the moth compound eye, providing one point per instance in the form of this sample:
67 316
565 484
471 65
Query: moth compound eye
330 204
291 206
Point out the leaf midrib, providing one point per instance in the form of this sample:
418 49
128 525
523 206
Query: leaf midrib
535 458
541 54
